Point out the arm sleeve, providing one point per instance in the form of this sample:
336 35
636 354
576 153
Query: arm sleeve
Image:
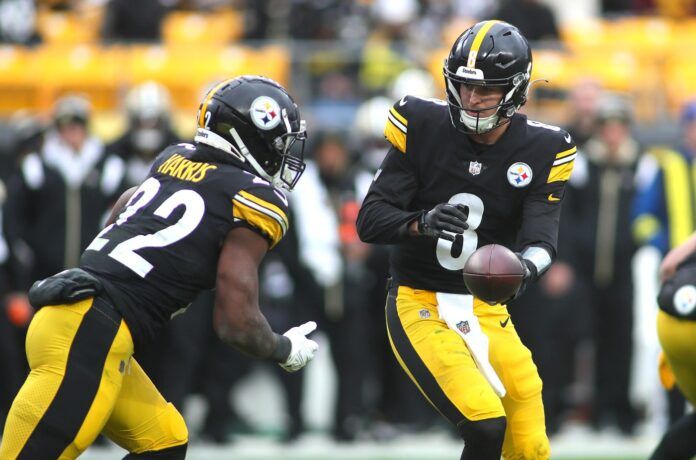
541 211
384 214
264 210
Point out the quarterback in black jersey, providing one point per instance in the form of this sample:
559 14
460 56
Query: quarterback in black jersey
204 218
460 174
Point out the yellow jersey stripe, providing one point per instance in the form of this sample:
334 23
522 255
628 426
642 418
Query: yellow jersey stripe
273 210
478 39
260 220
395 136
561 172
208 98
398 116
676 177
565 153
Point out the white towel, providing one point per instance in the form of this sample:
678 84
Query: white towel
457 310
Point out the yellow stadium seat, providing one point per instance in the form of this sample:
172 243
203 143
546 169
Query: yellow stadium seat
679 79
648 37
216 28
583 34
68 27
552 65
18 79
93 70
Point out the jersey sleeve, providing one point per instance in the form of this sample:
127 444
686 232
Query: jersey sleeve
384 213
396 127
542 207
263 209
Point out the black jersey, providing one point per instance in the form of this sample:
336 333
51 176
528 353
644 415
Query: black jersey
513 190
164 246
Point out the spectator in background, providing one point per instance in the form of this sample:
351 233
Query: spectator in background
663 213
125 20
72 174
583 102
535 20
601 207
18 22
149 130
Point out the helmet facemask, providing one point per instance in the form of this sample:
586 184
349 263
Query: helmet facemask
514 96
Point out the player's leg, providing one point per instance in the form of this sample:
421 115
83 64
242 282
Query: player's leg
678 338
440 365
143 422
678 443
525 438
75 354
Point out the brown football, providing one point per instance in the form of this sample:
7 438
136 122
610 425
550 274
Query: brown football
493 273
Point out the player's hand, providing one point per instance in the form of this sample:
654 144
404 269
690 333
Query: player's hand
525 280
303 349
444 217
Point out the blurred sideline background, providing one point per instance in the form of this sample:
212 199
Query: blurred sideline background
621 75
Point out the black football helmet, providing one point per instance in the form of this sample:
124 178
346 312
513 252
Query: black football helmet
490 53
255 120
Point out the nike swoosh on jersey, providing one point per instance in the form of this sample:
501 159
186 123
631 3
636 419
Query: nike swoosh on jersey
402 102
282 197
505 323
553 198
567 138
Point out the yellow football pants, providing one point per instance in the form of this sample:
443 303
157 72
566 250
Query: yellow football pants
83 382
678 340
439 363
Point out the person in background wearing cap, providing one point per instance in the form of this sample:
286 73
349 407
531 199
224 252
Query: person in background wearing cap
58 199
149 130
600 197
665 205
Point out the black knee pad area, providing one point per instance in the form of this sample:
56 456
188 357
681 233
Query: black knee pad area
483 439
173 453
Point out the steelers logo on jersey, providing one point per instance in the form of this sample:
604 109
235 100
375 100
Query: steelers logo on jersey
265 112
519 175
685 299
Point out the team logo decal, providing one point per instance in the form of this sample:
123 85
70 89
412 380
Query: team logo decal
463 326
424 313
685 299
265 112
519 175
474 168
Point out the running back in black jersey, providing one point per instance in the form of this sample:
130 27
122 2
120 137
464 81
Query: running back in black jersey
164 246
512 190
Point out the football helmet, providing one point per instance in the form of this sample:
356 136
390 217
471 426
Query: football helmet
255 120
148 105
490 53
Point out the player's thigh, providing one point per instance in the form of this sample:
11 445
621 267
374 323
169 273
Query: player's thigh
74 353
525 437
437 359
142 420
678 340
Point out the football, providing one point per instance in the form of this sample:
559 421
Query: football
493 273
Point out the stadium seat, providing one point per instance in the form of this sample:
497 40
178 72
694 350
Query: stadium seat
69 27
93 70
216 28
18 79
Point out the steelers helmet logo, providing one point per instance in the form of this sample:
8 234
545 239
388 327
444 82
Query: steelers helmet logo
685 299
519 175
265 112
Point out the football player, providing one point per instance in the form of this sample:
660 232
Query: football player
460 174
204 218
676 329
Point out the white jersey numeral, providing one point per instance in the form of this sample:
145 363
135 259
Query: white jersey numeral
452 255
124 252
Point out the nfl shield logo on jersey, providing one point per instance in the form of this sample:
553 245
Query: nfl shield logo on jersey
474 168
463 326
519 175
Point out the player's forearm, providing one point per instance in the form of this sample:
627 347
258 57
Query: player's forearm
382 223
253 336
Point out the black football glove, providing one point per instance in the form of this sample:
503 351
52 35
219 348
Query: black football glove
443 217
529 277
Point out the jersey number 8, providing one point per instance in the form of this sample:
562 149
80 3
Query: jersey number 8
453 254
124 252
